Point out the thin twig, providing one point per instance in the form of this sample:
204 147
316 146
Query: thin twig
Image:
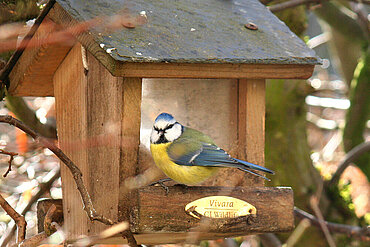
11 154
130 238
362 233
314 201
297 233
43 187
350 157
33 241
111 231
19 219
48 220
269 239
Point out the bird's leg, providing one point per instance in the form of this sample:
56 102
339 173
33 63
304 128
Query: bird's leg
161 183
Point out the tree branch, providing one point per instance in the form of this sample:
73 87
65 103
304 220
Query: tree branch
11 154
21 110
19 219
290 4
76 173
53 175
294 3
350 157
362 233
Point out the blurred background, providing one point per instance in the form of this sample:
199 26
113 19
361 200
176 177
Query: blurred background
314 123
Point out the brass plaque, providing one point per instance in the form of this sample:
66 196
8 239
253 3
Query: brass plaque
219 207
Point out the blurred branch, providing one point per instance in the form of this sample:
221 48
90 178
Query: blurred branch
362 19
43 187
290 4
314 201
348 159
270 240
111 231
67 36
297 233
34 240
340 21
362 233
76 172
11 154
28 116
19 219
294 3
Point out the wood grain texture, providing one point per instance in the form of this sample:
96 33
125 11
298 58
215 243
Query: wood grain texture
70 103
251 125
130 136
155 223
97 127
274 209
220 71
33 73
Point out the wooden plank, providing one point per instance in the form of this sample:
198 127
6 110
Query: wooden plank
274 209
221 71
95 129
130 136
156 224
251 125
33 73
70 103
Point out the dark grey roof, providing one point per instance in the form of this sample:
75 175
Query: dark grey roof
196 31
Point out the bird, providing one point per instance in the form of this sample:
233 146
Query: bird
189 156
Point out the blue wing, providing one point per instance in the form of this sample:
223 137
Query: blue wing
188 153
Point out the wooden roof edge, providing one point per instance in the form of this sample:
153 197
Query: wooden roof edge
4 75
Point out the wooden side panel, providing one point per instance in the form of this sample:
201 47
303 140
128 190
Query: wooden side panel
96 121
70 102
251 125
33 73
274 210
130 140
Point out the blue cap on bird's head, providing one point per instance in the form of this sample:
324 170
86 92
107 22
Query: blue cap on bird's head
164 116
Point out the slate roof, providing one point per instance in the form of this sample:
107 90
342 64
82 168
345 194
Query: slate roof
196 31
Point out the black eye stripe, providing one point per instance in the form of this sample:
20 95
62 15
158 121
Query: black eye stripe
169 126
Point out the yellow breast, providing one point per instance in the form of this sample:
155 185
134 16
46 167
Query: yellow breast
189 175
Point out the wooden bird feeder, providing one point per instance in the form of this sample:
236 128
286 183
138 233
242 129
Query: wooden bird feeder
205 62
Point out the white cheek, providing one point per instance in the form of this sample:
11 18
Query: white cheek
173 133
154 136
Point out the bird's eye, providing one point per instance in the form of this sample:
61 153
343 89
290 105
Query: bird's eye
169 126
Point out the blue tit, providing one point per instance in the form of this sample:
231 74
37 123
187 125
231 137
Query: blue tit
188 156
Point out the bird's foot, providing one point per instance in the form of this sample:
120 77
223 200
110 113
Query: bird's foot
161 183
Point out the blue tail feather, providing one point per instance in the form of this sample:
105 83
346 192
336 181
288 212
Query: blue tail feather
254 166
